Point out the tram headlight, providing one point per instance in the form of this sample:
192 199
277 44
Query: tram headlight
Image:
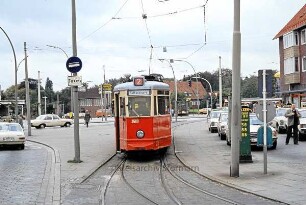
140 134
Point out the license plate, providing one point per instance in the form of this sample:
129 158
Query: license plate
253 140
8 138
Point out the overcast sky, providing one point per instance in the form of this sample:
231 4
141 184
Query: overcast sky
114 34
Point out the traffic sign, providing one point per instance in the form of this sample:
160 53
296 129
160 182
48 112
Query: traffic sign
74 64
107 86
271 111
75 80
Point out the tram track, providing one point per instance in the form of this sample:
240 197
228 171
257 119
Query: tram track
213 180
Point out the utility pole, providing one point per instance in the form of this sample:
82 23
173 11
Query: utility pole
38 95
104 100
45 104
220 83
77 158
57 104
27 90
236 101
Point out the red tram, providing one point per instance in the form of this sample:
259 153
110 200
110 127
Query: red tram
142 115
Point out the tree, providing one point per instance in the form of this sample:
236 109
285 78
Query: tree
249 87
50 95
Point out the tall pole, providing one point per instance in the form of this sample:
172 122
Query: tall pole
71 89
236 101
264 94
77 158
196 74
15 61
209 88
45 104
27 90
220 83
104 98
38 95
175 88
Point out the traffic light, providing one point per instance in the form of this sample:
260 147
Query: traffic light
189 83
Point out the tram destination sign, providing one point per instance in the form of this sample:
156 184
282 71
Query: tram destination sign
139 92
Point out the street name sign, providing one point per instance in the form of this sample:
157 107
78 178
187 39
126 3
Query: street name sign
75 80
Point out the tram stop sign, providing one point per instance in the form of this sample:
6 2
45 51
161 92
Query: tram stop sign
271 111
74 64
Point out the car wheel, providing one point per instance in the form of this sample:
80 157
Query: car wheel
21 147
67 124
274 145
42 126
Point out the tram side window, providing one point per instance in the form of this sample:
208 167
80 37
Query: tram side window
163 105
122 106
139 106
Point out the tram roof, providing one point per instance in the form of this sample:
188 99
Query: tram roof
148 85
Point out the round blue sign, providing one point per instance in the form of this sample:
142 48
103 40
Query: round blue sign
74 64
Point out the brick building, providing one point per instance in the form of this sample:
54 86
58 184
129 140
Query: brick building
292 53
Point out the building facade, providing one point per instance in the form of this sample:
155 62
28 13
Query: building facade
292 53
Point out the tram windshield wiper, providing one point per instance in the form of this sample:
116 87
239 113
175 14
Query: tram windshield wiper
135 112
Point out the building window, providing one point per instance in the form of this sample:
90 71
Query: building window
303 36
296 64
304 63
291 39
291 65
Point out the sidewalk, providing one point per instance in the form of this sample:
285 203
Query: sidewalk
95 148
286 178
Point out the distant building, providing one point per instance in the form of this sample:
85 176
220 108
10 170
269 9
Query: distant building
90 100
191 92
292 53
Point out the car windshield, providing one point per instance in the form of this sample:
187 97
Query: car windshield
10 127
281 112
303 113
255 121
224 117
215 114
41 117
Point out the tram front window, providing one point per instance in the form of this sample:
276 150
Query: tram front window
139 106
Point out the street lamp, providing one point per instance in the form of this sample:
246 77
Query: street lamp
175 87
15 61
210 89
71 90
196 74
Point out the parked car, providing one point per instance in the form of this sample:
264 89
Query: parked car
302 126
214 116
222 125
101 113
203 111
280 121
11 134
255 124
50 120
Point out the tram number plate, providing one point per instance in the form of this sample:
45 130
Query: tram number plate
135 121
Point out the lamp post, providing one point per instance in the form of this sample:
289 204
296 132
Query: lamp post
71 90
15 61
196 74
175 87
209 87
